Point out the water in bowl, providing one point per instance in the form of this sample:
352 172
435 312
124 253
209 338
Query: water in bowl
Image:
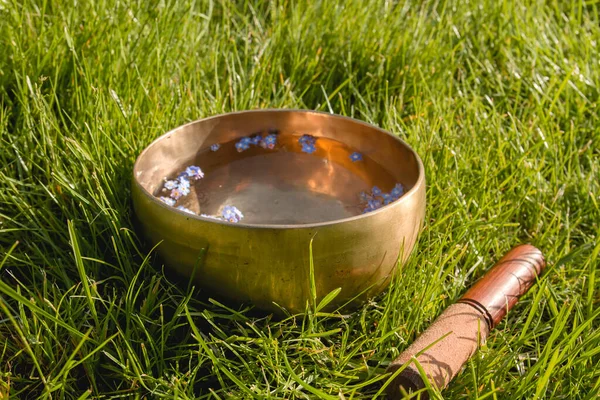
285 179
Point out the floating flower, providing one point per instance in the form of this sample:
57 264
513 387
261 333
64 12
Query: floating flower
246 140
364 196
271 138
372 205
269 141
215 147
180 186
183 184
172 184
307 139
376 191
183 190
167 200
187 210
309 148
194 172
356 156
178 193
255 140
210 216
240 146
182 175
232 214
387 198
397 191
375 204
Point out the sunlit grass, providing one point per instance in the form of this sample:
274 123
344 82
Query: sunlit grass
499 98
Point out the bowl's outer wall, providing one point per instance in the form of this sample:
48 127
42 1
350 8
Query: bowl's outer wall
271 264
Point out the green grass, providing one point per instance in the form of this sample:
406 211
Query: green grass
500 99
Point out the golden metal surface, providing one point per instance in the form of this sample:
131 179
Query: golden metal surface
288 198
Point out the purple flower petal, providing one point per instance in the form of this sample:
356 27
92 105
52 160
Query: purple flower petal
176 194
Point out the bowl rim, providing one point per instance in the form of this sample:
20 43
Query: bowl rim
410 193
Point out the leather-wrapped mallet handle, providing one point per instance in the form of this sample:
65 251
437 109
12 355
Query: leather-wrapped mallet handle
499 289
455 335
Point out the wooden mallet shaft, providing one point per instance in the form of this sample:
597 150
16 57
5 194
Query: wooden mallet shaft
455 335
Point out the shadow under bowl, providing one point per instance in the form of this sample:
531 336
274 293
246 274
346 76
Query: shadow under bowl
291 195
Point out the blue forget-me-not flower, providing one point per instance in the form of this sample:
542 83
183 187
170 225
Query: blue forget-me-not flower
269 141
307 139
309 148
397 191
194 172
232 214
356 156
172 184
241 146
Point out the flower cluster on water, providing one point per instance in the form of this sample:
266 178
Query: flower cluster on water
308 143
377 198
267 142
175 189
180 187
243 144
232 214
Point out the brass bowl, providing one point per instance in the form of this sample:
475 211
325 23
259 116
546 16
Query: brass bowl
288 199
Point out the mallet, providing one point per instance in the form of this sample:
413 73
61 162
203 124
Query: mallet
456 334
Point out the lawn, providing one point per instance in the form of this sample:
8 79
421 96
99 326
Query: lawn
499 98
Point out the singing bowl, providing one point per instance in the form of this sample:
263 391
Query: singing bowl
293 204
